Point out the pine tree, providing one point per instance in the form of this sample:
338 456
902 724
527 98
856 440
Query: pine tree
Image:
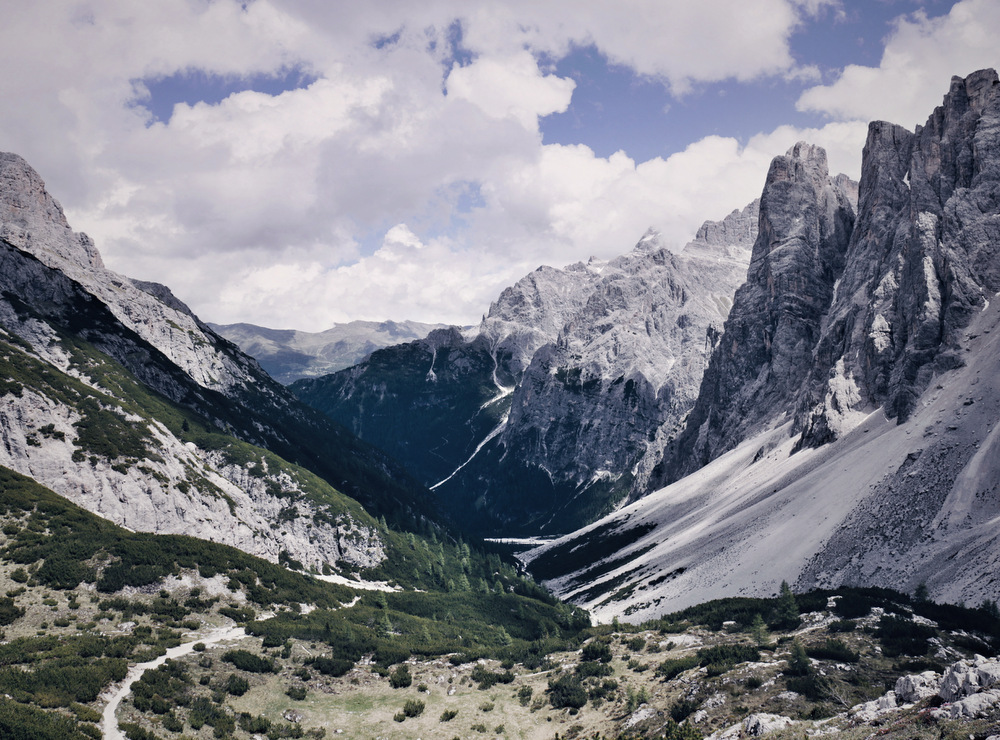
788 610
798 663
758 631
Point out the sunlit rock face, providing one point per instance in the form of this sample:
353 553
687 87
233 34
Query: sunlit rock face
758 366
841 315
80 341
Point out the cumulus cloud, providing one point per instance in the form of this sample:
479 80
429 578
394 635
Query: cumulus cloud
921 55
409 178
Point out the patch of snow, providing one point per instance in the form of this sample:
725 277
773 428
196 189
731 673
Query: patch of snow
364 585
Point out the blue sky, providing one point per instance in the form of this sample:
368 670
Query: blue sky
296 163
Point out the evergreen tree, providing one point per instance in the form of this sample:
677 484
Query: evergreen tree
788 610
798 663
758 631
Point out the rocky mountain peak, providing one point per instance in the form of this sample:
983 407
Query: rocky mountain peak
922 261
805 221
534 310
32 223
737 230
33 220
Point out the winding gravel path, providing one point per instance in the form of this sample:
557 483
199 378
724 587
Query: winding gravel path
109 723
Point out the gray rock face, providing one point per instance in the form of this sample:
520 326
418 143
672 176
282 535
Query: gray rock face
876 464
289 355
628 364
32 221
84 348
922 260
909 275
806 219
557 407
533 311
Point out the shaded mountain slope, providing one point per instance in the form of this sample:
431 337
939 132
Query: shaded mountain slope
155 421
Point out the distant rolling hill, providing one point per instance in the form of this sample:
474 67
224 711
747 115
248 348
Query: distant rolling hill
289 355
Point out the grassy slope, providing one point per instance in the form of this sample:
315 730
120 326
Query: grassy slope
63 571
519 666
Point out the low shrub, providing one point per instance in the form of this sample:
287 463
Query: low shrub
400 677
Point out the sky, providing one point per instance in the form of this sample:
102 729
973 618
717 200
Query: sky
299 163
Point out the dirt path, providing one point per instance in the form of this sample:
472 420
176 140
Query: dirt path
109 723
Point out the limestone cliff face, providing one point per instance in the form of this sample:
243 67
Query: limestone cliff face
627 365
32 221
806 219
841 316
922 261
99 372
557 406
846 429
178 488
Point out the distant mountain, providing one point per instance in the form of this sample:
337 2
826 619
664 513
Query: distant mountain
846 427
289 355
556 408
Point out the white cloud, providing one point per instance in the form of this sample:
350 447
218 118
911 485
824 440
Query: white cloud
511 86
339 200
921 55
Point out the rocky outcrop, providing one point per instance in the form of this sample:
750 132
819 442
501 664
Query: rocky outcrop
851 444
921 262
532 312
556 407
963 692
840 317
589 407
33 222
806 219
117 397
172 487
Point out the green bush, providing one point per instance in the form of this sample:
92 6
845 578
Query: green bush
683 708
834 649
448 715
247 661
673 667
413 708
596 650
567 691
332 666
903 636
721 658
236 685
400 678
487 679
589 669
636 644
524 695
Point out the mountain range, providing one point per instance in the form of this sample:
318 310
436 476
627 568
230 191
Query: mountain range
119 398
845 431
288 355
805 392
557 406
